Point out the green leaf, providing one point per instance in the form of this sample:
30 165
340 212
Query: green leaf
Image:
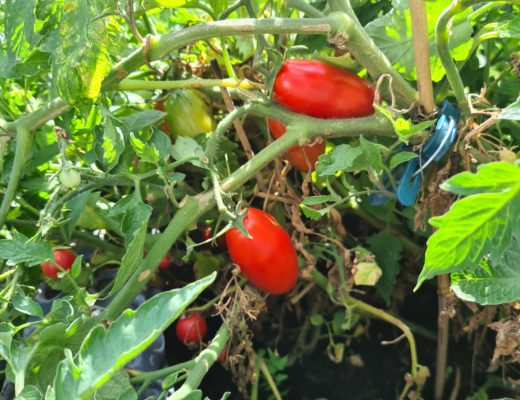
476 226
401 157
387 248
498 284
113 143
367 273
315 200
19 250
511 112
491 178
186 147
134 225
27 306
105 351
142 119
29 392
117 388
313 213
316 320
341 157
371 152
146 152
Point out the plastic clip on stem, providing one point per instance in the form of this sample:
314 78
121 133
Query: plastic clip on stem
409 176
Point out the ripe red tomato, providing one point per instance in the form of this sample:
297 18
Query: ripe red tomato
63 257
268 259
191 329
303 158
321 90
207 233
166 261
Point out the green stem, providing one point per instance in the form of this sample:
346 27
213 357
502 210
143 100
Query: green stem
442 34
192 208
134 84
269 378
203 362
306 8
23 145
153 375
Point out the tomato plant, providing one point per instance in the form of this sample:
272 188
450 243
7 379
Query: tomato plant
188 113
166 261
267 258
191 329
62 257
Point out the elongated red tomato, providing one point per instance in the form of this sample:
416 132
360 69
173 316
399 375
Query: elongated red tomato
268 258
64 258
303 158
322 90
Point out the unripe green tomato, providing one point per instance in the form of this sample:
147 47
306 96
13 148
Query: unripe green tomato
188 113
70 178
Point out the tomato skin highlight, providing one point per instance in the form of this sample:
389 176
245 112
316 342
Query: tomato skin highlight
166 261
322 90
191 329
268 259
63 257
303 158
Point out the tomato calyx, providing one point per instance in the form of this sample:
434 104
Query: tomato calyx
62 261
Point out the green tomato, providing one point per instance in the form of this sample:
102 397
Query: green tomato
70 178
188 113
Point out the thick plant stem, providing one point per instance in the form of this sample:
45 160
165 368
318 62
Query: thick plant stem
160 373
203 362
23 145
442 34
192 208
443 324
133 84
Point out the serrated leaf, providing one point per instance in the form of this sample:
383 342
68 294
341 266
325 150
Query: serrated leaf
104 351
401 157
387 249
113 143
372 154
117 388
511 112
405 129
476 226
341 157
490 178
147 153
27 306
18 250
367 273
498 284
313 213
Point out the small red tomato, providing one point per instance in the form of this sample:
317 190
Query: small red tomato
166 261
191 329
321 90
207 233
63 257
268 258
159 106
303 158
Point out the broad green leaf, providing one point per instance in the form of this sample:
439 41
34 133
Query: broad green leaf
313 213
117 388
372 154
113 143
16 357
490 178
405 129
18 250
512 112
387 248
367 273
341 157
476 226
106 350
76 205
392 33
401 157
495 284
27 306
134 225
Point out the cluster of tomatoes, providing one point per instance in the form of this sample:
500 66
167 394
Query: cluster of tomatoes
266 257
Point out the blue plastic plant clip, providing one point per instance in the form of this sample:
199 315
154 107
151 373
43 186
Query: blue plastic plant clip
409 175
433 150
